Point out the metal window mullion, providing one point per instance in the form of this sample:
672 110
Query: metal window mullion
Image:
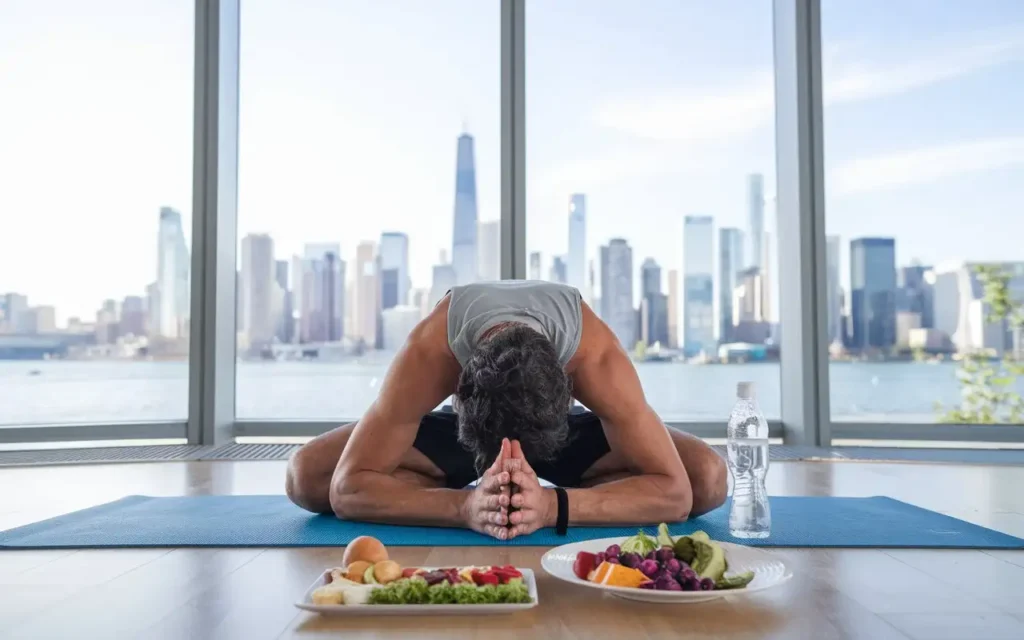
214 224
801 222
513 139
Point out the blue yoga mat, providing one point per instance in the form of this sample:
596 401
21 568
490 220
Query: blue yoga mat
272 521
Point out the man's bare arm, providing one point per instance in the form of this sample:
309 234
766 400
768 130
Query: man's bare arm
607 383
422 375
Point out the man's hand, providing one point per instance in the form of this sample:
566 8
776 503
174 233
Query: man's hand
533 502
486 507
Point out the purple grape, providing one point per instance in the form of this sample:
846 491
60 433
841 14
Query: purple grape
648 568
664 554
707 584
673 566
662 573
613 550
651 555
687 574
691 584
612 560
667 583
631 560
601 557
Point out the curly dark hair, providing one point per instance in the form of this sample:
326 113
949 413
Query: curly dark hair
513 387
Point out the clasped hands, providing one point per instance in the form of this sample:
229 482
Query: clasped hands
509 500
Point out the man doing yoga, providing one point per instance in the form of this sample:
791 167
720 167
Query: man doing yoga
513 355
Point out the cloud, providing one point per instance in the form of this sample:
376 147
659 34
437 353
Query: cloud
853 82
692 115
926 164
713 113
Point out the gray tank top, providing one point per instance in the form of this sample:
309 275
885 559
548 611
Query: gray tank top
554 310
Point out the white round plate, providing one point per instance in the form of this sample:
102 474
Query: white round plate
769 571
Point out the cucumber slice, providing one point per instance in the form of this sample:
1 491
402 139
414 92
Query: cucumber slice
737 581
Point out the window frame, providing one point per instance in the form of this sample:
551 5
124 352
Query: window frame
804 366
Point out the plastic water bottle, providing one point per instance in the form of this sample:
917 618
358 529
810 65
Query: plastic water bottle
750 516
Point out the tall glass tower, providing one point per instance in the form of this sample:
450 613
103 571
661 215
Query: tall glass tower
171 318
577 259
464 243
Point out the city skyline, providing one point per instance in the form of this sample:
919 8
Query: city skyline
923 140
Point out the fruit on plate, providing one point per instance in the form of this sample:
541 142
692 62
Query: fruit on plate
640 543
386 571
355 570
585 564
342 591
737 581
709 561
617 575
365 548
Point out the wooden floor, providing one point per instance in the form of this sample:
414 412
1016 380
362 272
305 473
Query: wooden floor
248 593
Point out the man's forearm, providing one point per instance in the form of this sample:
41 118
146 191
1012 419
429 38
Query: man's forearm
376 497
638 499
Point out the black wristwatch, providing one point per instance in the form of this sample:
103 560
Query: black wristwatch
562 522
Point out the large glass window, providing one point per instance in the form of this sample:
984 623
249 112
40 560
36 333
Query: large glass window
96 103
368 186
924 153
651 167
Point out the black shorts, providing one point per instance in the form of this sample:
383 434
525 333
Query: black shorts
438 439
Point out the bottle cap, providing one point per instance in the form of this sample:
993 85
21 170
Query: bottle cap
745 390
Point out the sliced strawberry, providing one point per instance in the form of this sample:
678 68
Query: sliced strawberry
585 563
409 572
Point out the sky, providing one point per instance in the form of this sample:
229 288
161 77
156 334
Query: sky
350 110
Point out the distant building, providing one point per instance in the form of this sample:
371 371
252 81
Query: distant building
755 213
559 270
535 265
698 287
133 317
748 299
259 284
730 264
398 323
444 278
914 293
322 311
464 235
41 319
873 293
489 258
393 265
576 261
653 313
14 307
960 310
673 308
366 293
906 323
617 291
172 279
284 312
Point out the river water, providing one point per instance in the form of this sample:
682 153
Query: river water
111 391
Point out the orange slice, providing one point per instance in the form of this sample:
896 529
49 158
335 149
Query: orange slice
616 575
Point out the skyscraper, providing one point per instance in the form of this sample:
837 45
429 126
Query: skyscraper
323 294
673 308
755 204
962 313
133 317
617 291
442 281
15 307
535 265
259 280
730 264
577 259
285 313
367 292
394 269
698 287
559 270
464 237
873 293
653 305
833 295
489 258
172 277
915 294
